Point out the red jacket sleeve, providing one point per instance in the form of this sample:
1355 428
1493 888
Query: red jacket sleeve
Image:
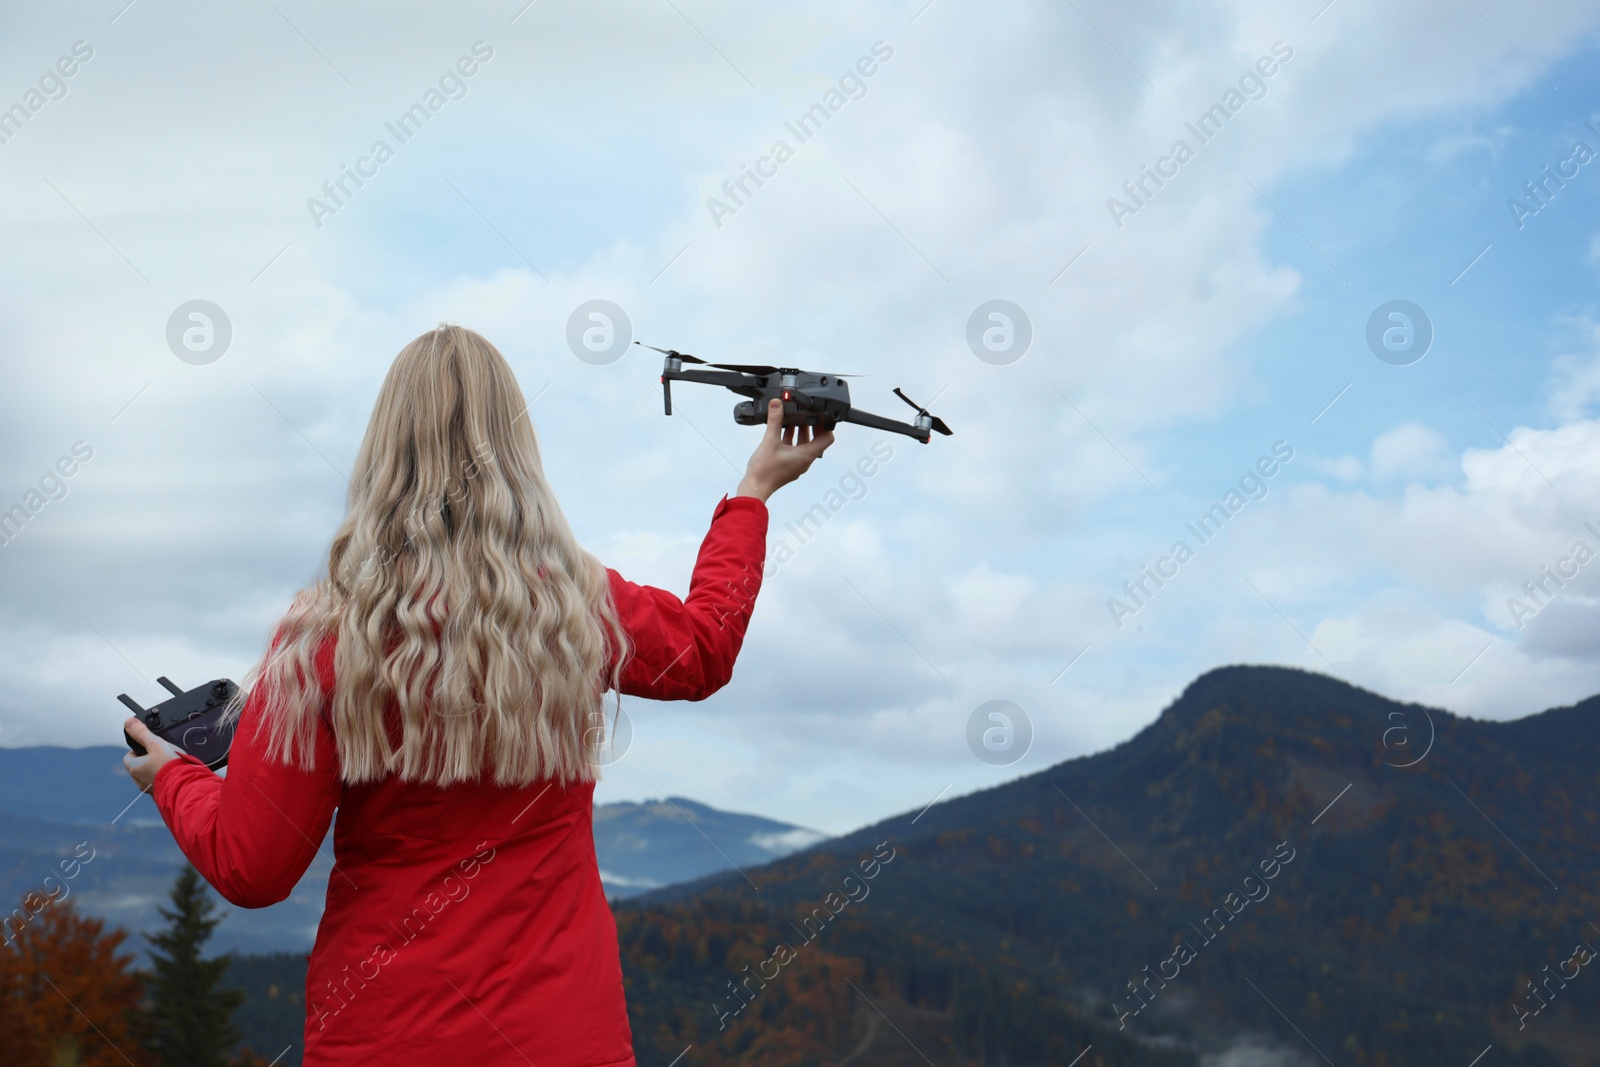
684 649
253 833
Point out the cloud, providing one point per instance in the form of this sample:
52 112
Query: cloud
1438 566
1412 451
977 166
1342 468
1574 381
1257 1050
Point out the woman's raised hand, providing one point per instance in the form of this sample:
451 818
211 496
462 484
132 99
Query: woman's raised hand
782 456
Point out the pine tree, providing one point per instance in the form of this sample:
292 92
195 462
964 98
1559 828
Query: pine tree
190 1015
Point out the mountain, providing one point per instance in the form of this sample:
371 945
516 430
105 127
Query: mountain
81 786
65 802
646 846
1283 869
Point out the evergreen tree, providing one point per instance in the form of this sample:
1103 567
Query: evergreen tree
190 1015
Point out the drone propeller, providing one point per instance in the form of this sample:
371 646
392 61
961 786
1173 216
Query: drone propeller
672 352
938 423
748 368
745 368
764 369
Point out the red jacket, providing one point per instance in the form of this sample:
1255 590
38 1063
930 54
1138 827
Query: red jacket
464 925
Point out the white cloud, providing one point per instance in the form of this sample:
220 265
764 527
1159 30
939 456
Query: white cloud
1412 451
1438 566
1574 382
977 166
1343 468
989 597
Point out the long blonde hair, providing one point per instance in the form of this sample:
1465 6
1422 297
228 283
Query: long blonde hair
457 592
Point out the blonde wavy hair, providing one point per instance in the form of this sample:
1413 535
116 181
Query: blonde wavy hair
460 599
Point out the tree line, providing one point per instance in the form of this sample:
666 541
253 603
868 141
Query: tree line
72 996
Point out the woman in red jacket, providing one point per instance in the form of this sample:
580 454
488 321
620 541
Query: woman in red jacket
441 688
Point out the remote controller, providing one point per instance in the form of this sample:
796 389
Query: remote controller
188 720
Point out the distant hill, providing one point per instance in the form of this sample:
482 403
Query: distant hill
86 786
1408 907
660 843
56 799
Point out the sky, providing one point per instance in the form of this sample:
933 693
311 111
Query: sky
1353 319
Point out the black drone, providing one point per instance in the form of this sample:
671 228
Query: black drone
809 399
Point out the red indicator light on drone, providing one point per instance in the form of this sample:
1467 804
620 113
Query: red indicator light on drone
786 394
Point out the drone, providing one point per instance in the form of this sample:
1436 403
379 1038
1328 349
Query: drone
809 398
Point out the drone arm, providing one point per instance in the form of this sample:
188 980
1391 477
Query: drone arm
735 380
730 378
878 422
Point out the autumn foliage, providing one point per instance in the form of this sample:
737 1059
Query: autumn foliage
70 998
67 994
